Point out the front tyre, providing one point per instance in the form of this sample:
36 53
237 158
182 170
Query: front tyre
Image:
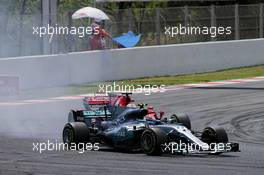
181 118
212 135
151 141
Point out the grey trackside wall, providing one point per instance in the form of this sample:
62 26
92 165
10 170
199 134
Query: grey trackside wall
76 68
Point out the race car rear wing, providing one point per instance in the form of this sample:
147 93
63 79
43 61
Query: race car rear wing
97 100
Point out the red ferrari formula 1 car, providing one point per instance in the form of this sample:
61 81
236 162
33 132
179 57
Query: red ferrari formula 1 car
119 102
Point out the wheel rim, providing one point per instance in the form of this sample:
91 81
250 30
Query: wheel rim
147 142
68 135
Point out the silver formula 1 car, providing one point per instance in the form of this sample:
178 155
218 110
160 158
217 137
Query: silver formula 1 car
130 130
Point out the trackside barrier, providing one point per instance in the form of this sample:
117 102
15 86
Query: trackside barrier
91 66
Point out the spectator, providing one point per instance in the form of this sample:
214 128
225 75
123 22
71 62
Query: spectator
97 39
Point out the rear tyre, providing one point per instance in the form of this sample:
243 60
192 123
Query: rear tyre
183 119
214 135
151 141
75 132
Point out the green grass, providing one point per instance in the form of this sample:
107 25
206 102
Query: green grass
236 73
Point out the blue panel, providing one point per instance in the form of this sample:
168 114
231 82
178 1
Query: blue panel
128 39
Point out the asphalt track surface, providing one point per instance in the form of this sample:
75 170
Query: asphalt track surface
239 108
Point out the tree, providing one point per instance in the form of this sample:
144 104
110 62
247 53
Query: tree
72 5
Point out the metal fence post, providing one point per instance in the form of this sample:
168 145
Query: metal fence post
237 35
130 19
158 26
45 22
213 19
261 20
186 13
53 20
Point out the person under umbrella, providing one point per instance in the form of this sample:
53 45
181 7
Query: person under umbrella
98 38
